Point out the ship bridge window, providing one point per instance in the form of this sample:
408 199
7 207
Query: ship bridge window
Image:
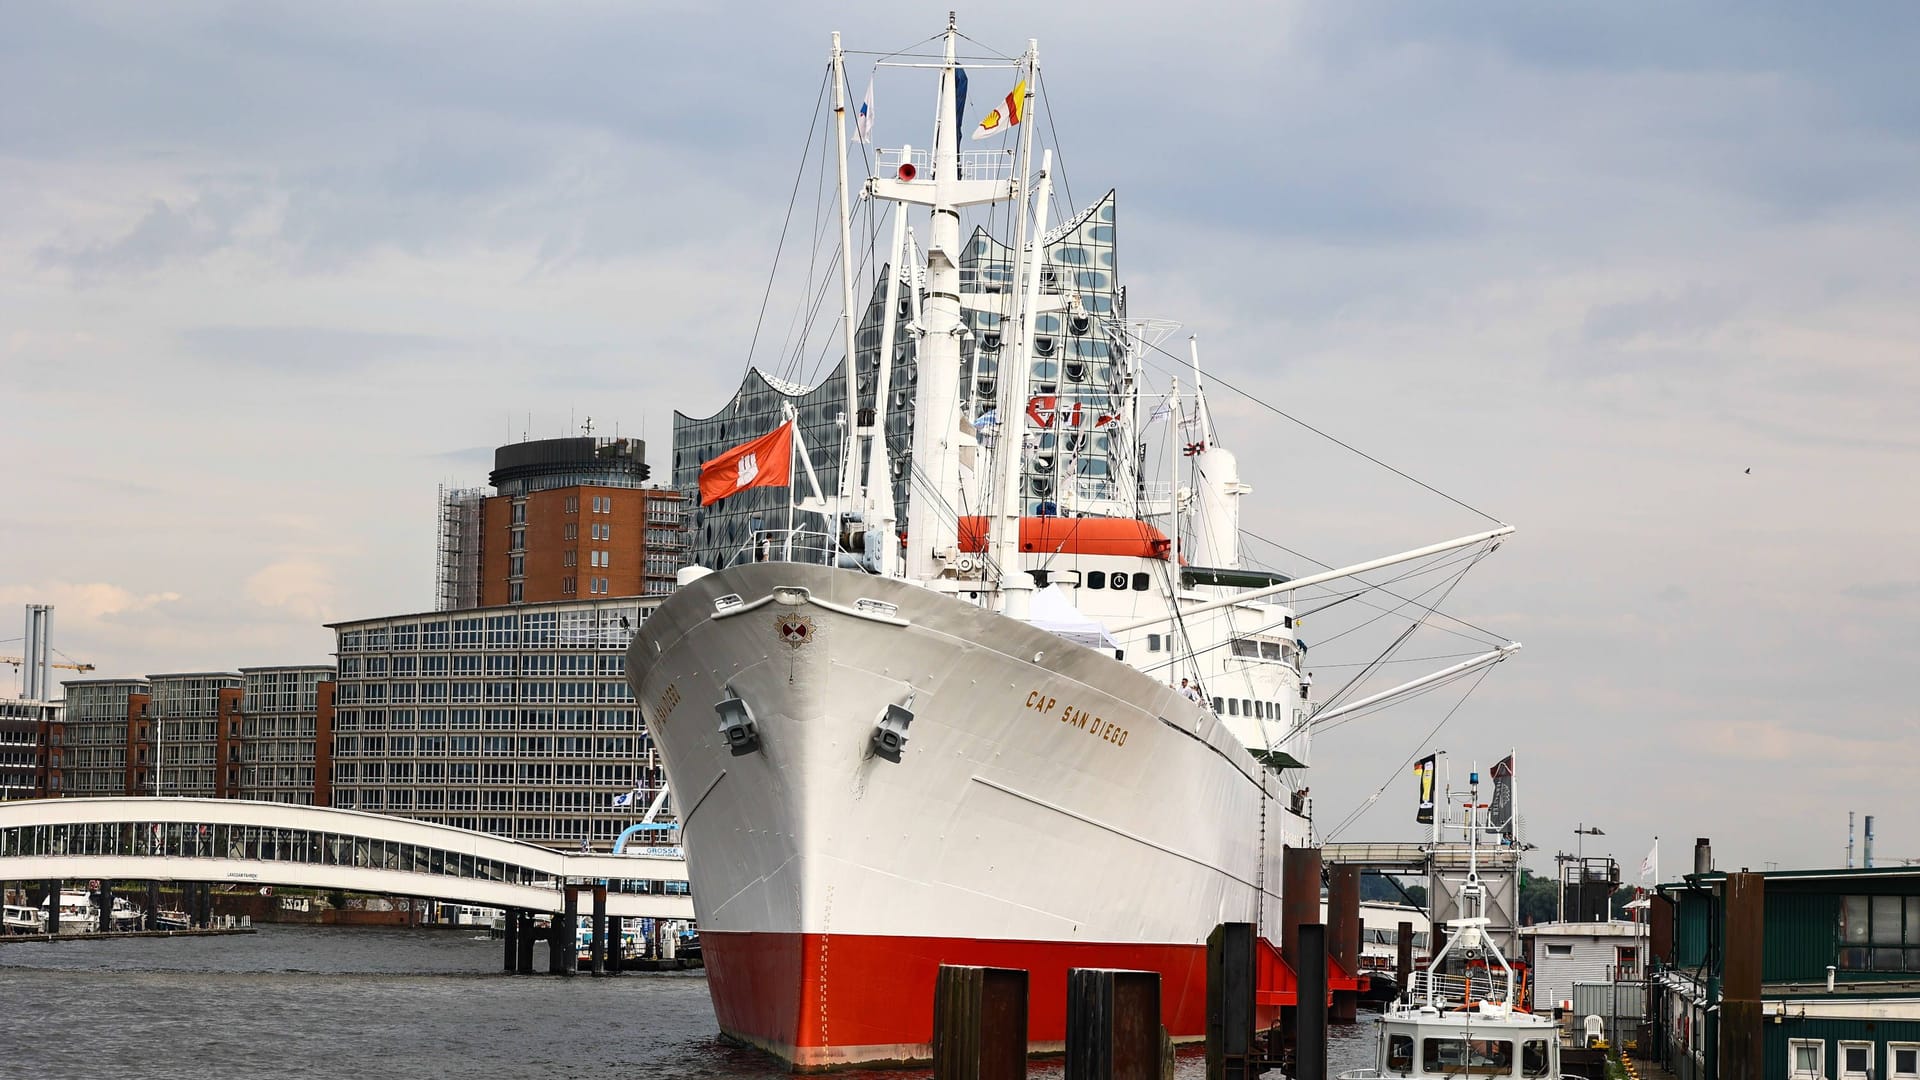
1272 650
1534 1059
1400 1053
1245 647
1096 579
1467 1057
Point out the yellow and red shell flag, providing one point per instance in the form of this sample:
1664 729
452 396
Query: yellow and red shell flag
1007 115
763 462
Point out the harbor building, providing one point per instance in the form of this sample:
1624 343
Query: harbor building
1825 964
1072 466
567 518
515 720
30 750
193 733
285 743
108 752
1595 965
257 733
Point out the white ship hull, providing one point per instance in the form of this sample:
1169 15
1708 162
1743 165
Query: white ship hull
1052 808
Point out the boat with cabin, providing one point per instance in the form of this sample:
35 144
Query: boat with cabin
1465 1013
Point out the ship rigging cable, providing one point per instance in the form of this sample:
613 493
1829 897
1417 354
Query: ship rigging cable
1184 362
780 245
1388 652
1491 636
1354 816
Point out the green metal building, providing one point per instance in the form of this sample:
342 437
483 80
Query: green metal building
1839 974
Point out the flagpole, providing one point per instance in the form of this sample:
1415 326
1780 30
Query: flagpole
1173 490
793 449
1513 795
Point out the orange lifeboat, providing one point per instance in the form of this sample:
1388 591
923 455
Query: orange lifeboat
1076 536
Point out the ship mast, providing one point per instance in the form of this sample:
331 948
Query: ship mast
940 432
1015 586
850 486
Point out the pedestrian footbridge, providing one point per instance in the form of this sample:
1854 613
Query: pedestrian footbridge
257 843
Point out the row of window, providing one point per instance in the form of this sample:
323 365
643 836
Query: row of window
1468 1057
1807 1060
599 627
1259 710
611 777
602 719
1880 933
504 664
621 747
379 692
1100 579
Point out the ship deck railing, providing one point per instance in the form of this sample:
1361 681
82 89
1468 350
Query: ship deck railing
1456 989
974 164
784 545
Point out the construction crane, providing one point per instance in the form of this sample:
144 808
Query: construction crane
16 661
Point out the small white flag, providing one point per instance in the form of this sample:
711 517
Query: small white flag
1160 411
627 799
863 117
1650 866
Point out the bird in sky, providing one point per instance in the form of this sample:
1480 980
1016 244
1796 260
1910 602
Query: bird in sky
1749 470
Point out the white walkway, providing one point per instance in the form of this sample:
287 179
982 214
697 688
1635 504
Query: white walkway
258 843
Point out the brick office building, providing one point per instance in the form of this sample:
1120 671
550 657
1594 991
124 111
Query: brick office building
568 519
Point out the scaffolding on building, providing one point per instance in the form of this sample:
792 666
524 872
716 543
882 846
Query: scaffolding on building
457 551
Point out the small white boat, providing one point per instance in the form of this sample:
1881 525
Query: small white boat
79 914
1462 1016
21 919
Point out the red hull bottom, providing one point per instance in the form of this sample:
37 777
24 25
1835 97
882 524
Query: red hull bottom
825 1000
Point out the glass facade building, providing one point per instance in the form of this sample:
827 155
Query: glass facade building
195 731
1075 376
280 736
99 712
514 720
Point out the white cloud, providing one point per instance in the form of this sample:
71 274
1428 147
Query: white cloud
84 602
297 587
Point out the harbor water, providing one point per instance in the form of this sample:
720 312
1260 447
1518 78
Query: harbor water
328 1002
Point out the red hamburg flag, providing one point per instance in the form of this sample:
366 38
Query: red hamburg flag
764 462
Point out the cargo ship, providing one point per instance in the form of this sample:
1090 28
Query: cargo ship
1043 718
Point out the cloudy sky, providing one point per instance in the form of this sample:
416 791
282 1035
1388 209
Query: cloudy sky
272 272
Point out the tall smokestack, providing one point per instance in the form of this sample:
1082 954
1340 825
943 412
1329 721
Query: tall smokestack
1849 839
1703 856
1866 852
37 685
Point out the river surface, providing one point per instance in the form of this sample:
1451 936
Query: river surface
353 1002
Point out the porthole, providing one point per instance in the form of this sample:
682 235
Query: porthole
1141 582
1096 579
